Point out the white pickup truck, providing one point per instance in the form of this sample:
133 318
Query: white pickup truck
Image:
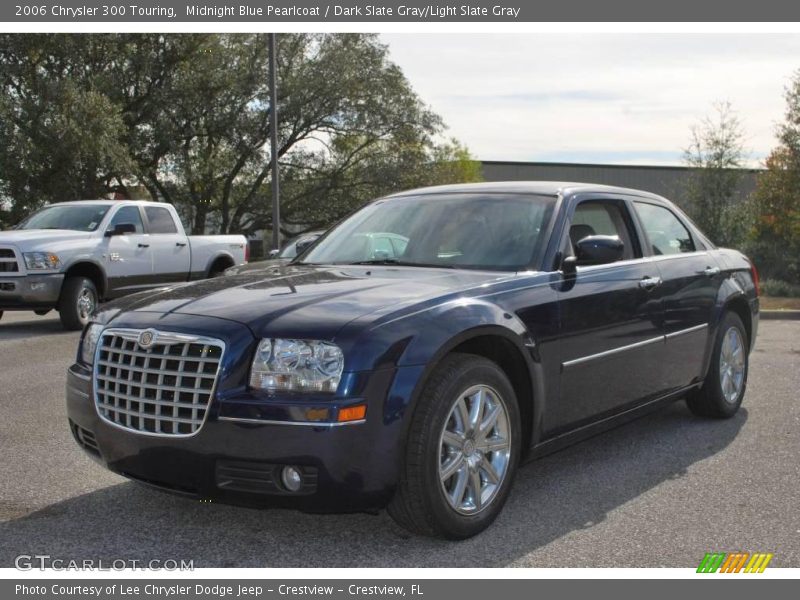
70 256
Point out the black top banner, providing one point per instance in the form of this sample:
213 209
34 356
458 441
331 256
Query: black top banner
304 11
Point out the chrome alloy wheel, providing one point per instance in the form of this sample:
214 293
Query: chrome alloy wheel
732 365
86 304
474 450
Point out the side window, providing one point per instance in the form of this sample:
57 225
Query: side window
399 246
666 233
128 214
160 220
599 217
382 248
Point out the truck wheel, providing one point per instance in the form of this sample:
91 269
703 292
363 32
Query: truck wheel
462 451
724 386
77 303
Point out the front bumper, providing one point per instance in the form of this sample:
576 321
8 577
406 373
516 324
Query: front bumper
30 292
237 459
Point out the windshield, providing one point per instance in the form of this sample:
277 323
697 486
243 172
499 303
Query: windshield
84 217
468 231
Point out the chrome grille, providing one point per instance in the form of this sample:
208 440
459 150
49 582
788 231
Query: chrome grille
8 261
155 382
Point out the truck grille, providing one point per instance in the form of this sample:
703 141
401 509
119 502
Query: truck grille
8 261
155 382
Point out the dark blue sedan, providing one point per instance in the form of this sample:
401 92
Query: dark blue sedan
501 322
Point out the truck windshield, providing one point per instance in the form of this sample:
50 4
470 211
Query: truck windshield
84 217
492 231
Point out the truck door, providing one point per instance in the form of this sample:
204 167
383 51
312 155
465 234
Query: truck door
128 258
170 246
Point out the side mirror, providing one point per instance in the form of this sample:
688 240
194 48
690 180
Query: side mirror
121 229
274 253
302 245
599 250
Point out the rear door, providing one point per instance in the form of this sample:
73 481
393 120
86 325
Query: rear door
170 246
691 282
128 258
611 338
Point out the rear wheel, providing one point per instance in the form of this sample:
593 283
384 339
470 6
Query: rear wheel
462 452
722 392
78 302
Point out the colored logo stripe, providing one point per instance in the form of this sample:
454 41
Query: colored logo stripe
734 562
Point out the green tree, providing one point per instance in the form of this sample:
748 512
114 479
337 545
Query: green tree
186 117
775 233
716 155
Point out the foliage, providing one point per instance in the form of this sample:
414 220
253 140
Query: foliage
716 155
186 118
780 289
774 238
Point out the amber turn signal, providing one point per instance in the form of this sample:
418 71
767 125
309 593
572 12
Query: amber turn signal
352 413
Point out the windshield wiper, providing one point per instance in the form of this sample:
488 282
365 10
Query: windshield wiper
400 263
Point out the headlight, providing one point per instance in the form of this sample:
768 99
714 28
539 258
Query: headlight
89 342
41 261
296 366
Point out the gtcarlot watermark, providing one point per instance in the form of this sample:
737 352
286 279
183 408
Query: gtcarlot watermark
42 562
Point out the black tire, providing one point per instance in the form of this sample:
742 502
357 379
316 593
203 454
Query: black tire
74 314
711 400
420 504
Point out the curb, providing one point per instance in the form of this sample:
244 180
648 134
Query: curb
788 315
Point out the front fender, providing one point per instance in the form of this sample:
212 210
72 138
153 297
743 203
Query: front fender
415 343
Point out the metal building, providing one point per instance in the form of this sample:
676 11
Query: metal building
670 182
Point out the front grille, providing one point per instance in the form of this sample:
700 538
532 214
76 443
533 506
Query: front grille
7 286
155 382
8 261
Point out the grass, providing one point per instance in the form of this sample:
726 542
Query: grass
779 303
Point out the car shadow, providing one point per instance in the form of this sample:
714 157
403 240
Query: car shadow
571 490
36 326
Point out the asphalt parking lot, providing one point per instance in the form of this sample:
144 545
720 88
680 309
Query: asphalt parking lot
661 491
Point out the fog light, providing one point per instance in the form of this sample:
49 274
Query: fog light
292 479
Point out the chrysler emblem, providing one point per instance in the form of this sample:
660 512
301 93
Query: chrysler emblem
147 338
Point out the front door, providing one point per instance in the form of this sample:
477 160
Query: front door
128 258
611 336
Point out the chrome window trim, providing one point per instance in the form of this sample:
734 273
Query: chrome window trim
172 338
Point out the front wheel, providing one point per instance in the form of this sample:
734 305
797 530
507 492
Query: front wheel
462 452
77 303
722 392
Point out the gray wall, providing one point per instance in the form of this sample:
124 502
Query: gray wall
669 182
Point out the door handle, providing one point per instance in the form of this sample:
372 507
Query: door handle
710 271
181 244
144 245
649 283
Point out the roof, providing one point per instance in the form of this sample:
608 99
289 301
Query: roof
109 201
543 188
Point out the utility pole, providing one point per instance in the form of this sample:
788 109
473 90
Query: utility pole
273 130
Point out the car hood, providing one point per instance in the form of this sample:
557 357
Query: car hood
261 265
34 238
303 300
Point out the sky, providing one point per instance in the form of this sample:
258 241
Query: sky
600 97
